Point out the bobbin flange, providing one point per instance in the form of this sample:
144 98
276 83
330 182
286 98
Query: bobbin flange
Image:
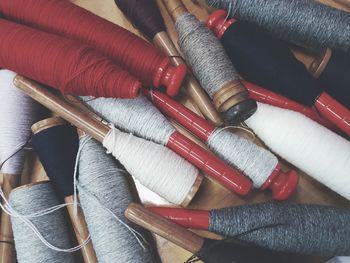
218 22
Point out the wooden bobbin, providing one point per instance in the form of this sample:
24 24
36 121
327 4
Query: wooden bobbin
77 219
82 119
193 88
164 228
232 93
320 63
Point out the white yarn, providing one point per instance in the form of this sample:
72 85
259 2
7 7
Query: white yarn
306 144
154 165
339 260
138 116
255 162
17 113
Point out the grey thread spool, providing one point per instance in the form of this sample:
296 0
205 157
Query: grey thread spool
211 65
302 22
102 182
31 199
304 229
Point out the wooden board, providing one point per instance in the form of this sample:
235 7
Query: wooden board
211 195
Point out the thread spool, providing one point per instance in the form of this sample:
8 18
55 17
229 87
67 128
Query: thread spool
339 260
30 199
18 112
304 23
134 54
300 229
103 185
269 97
63 63
182 177
146 16
267 61
56 143
254 161
208 250
318 152
140 117
331 70
202 51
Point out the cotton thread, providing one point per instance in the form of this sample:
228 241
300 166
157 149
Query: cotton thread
302 22
52 226
254 161
155 166
18 113
304 143
135 55
202 51
302 229
103 190
65 64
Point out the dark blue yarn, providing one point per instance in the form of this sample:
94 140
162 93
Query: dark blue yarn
267 61
57 148
336 77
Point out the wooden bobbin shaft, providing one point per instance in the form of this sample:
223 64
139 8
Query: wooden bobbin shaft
7 249
77 219
193 88
83 120
320 63
164 228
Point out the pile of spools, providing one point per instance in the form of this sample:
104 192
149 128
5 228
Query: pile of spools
249 109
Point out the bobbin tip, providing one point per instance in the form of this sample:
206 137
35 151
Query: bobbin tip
171 77
240 112
218 23
281 184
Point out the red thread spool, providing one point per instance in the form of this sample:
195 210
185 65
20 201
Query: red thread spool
62 63
328 107
131 52
281 184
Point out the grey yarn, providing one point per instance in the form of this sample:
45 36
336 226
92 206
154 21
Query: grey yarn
304 229
205 54
138 116
303 22
102 181
53 228
254 161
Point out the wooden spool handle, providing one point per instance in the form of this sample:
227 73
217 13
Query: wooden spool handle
320 63
77 220
175 8
81 120
7 249
164 228
193 88
344 3
81 231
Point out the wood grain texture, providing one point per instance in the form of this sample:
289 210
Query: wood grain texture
212 195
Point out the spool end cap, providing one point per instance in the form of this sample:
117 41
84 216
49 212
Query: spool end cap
218 23
240 112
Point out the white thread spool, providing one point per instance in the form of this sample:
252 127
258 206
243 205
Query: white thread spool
304 143
17 113
155 166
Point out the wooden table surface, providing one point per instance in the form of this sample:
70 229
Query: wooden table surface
210 195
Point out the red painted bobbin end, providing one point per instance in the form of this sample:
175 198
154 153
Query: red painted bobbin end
171 77
334 111
195 219
281 184
218 23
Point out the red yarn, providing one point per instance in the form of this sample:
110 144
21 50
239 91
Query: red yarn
62 63
131 52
